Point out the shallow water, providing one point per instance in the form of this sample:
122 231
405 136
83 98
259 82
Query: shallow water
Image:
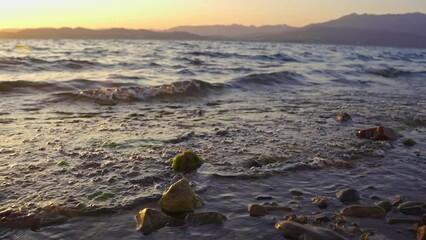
79 117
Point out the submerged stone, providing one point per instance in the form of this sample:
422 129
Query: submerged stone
295 230
320 201
413 208
409 142
180 198
386 205
348 195
361 211
186 162
343 117
149 220
203 218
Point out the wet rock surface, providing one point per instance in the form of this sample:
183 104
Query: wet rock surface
295 230
150 220
348 195
179 198
361 211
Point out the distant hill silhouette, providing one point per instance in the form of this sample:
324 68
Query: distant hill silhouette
83 33
394 30
234 31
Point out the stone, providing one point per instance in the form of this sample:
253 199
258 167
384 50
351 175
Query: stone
203 218
222 132
395 200
256 210
378 134
343 117
149 220
386 205
180 198
263 197
409 142
403 221
295 192
320 201
295 230
413 208
362 211
421 233
186 162
348 195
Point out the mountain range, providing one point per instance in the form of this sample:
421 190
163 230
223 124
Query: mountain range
392 30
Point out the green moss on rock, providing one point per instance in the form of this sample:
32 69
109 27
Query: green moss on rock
100 196
409 142
63 163
186 162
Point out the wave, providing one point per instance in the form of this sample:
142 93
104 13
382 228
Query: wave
15 63
392 72
22 86
269 79
174 90
274 57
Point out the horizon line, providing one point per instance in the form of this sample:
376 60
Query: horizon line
202 25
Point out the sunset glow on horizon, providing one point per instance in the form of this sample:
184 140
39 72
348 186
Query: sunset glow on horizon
163 14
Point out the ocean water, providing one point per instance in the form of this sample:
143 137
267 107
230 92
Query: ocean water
81 117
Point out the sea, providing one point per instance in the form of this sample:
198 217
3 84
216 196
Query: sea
87 118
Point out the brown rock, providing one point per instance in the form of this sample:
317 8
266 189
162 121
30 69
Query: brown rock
413 208
363 211
257 210
421 233
149 220
294 230
378 134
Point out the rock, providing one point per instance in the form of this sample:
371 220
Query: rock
408 142
321 217
378 134
413 208
295 192
180 198
222 132
295 230
348 195
186 162
374 236
386 205
197 219
403 221
361 211
343 117
421 233
149 220
264 197
320 201
396 199
256 210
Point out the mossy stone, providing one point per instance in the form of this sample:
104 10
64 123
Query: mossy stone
186 162
409 142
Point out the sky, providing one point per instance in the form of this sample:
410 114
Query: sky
163 14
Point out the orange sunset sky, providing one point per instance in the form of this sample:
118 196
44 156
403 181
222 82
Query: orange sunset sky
162 14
